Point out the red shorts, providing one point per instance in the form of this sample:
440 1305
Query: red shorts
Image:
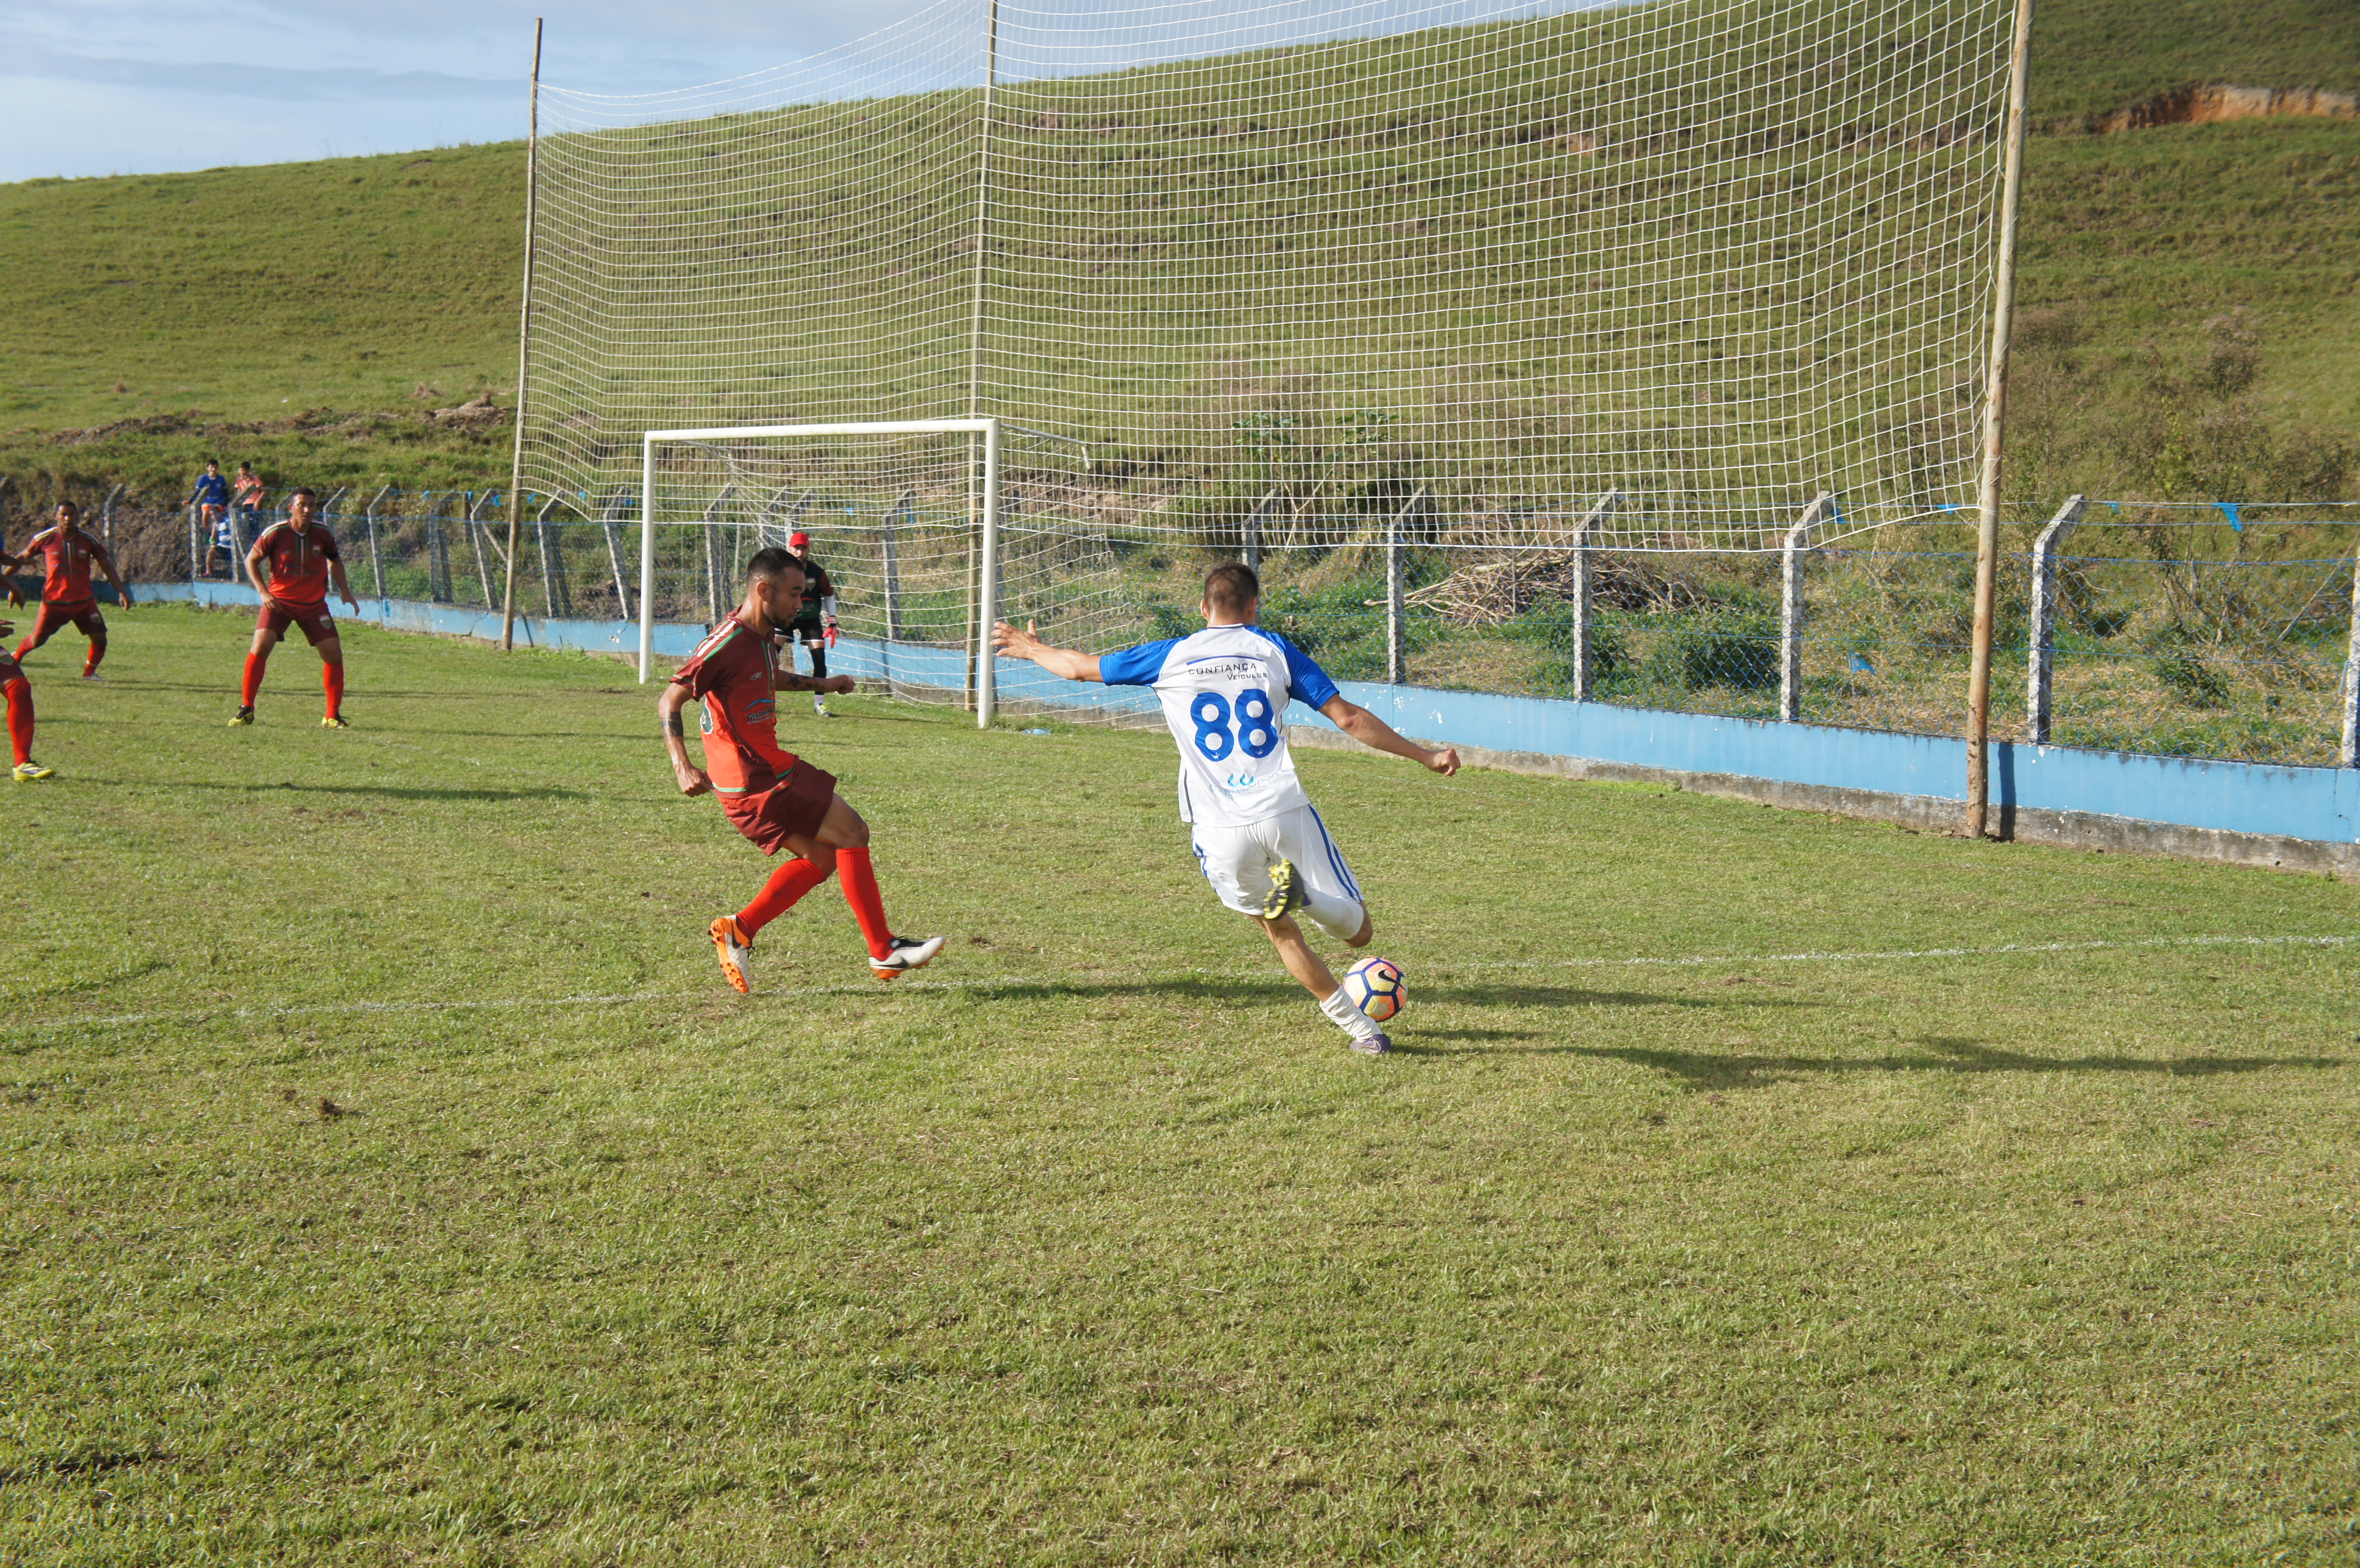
82 614
317 624
793 805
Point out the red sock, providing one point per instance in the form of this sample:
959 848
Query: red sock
24 647
21 718
97 652
332 681
254 663
859 879
791 881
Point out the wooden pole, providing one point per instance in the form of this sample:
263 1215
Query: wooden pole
978 631
524 342
1994 422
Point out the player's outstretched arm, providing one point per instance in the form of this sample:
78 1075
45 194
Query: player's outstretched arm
1066 663
1374 732
692 778
107 564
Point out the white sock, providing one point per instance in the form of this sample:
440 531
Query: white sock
1349 1019
1332 912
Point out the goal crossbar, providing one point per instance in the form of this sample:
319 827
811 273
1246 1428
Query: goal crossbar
989 427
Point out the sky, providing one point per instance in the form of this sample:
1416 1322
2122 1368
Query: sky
98 87
150 86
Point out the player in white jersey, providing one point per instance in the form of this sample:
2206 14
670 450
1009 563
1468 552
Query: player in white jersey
1260 841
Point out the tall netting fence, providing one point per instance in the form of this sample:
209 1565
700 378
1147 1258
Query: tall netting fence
1718 256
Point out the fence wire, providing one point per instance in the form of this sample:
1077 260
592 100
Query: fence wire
2199 632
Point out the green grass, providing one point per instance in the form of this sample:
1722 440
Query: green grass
257 312
1092 1244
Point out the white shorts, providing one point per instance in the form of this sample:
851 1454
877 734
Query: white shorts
1237 861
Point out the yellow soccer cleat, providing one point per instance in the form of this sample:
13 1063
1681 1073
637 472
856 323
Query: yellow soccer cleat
28 771
243 716
335 721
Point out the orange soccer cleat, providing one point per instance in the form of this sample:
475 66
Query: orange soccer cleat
736 951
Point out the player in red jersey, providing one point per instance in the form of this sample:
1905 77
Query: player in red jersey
67 555
19 694
774 798
303 559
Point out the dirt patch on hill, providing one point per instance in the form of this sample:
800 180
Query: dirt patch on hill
2216 102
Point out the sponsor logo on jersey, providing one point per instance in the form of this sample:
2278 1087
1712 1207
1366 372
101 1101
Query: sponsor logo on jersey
1240 781
762 711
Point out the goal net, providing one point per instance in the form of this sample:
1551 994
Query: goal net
926 529
1298 278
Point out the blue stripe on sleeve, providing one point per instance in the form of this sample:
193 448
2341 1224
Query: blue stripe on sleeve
1135 666
1307 682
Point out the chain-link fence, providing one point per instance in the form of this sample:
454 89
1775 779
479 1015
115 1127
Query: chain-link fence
2212 631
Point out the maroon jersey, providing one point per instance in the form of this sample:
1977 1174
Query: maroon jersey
67 554
299 561
734 674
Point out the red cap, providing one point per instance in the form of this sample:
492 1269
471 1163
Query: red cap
799 541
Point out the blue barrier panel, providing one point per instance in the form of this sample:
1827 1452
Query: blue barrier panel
2320 804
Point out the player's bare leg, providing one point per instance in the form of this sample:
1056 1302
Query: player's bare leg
842 844
1312 972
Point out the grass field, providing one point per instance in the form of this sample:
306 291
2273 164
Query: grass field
2023 1234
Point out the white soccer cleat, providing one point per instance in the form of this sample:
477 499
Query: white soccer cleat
736 951
908 953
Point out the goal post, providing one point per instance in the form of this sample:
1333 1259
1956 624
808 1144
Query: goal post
730 441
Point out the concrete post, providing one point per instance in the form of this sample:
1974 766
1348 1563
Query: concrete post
553 592
1790 605
369 522
476 541
2040 658
890 563
1396 647
613 514
1584 581
1251 554
2349 756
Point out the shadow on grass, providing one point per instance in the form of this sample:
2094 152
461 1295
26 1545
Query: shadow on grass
91 982
1700 1070
400 792
1575 996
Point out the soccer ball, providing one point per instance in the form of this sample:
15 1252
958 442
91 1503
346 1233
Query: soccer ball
1376 988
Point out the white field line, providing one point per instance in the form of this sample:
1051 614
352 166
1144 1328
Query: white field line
1002 982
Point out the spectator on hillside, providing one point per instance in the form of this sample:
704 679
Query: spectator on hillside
211 498
247 495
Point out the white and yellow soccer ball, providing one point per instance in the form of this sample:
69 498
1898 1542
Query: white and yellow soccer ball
1376 987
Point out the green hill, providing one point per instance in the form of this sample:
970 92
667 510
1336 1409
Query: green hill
311 315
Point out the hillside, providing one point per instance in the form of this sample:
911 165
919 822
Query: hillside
258 311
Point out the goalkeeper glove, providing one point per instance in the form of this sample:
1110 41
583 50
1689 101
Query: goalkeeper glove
831 632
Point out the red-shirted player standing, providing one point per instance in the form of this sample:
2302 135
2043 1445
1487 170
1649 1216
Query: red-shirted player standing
19 693
303 559
67 554
773 798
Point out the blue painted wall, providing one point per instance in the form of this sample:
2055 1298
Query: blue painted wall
2318 803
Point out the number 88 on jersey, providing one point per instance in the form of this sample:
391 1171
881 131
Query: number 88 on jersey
1247 722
